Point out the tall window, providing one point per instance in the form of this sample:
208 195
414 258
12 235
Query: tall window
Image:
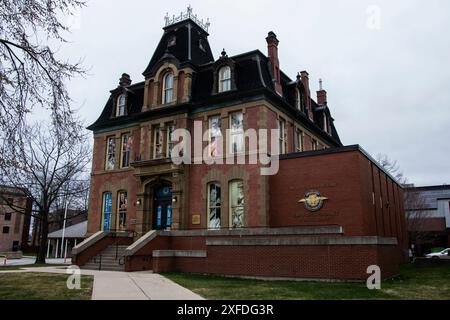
282 140
121 105
122 206
214 206
169 144
225 79
110 153
168 88
313 144
126 150
237 144
8 216
158 142
326 123
106 212
215 136
298 100
5 229
299 140
237 204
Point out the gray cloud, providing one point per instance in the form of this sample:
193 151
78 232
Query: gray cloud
387 88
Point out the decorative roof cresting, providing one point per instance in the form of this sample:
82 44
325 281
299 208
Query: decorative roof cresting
185 16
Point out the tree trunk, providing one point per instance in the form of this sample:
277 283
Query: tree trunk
40 258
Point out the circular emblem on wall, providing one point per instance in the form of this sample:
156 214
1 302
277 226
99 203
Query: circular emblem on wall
313 200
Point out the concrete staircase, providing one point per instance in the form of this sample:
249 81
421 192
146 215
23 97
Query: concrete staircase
110 259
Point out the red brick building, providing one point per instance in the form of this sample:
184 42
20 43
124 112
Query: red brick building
328 212
15 216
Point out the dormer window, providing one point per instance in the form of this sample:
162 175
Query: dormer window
298 100
168 88
121 105
201 46
172 41
225 79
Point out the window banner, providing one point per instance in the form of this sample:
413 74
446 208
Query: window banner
107 211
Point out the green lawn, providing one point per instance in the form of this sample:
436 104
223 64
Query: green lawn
425 282
42 286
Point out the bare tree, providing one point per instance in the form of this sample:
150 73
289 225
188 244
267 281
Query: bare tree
31 73
414 203
416 218
392 167
50 166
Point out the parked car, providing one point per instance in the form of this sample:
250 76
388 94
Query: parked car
438 255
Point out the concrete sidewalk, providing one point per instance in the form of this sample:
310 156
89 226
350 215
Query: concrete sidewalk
112 285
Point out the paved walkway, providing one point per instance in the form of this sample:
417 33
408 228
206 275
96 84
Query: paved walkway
112 285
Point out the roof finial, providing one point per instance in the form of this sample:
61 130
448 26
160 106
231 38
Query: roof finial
320 84
223 53
166 18
185 16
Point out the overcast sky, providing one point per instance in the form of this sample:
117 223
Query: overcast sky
384 64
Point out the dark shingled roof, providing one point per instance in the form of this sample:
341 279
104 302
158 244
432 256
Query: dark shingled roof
252 78
184 50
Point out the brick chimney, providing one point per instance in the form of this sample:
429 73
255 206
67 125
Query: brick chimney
305 82
272 52
321 95
124 80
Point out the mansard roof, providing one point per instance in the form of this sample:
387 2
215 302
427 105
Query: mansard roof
185 41
253 78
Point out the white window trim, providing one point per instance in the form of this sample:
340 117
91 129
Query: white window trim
165 89
208 205
122 150
298 100
239 133
155 135
230 211
282 139
223 80
169 143
107 152
121 108
299 134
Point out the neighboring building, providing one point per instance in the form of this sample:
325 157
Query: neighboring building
329 212
56 222
61 241
428 217
15 215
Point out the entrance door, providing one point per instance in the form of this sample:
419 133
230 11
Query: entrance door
162 217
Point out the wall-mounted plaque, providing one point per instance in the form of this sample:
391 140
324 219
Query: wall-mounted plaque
196 219
313 200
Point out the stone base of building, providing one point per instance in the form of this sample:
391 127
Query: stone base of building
303 252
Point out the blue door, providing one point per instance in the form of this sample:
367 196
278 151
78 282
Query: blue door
162 217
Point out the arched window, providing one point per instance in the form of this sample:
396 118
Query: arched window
298 100
106 211
237 218
122 206
214 205
168 88
225 79
121 105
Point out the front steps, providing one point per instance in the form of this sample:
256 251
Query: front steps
110 259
